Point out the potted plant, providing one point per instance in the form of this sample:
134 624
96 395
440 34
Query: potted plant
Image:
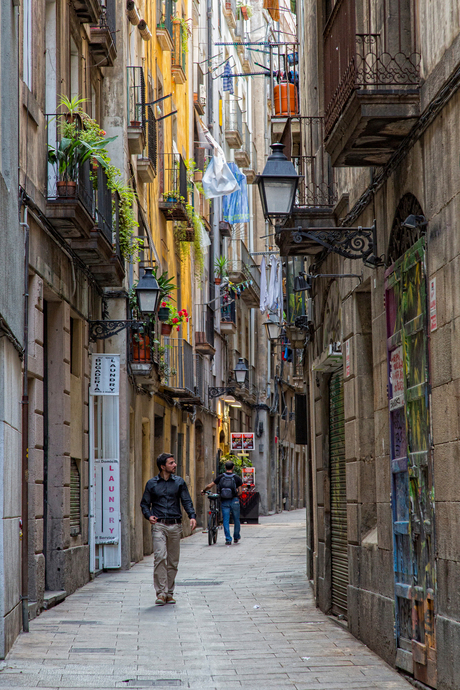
71 153
175 320
220 269
245 10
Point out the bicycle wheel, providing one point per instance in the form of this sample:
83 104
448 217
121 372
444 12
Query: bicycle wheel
214 532
210 530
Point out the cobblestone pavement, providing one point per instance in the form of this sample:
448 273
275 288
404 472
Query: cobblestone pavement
244 619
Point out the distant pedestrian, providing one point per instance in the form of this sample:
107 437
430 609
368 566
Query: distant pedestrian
229 486
161 507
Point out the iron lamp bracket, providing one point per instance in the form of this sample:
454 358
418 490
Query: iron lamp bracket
216 392
101 330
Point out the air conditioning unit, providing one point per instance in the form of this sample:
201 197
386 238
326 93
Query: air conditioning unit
203 94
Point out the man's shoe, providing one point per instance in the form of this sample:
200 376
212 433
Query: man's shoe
170 599
235 541
228 543
160 600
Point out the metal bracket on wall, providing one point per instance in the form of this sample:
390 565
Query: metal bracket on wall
101 330
351 243
216 392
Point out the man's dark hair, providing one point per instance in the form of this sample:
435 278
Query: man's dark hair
161 459
229 465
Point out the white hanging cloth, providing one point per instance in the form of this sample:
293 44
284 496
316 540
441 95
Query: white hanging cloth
274 287
263 286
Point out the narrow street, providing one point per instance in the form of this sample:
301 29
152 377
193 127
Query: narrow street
245 618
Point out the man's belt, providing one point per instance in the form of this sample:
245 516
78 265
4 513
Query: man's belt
169 521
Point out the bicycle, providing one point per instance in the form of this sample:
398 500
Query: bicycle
213 519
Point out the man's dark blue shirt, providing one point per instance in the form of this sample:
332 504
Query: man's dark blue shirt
163 498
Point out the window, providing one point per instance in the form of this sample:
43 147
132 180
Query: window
75 498
27 44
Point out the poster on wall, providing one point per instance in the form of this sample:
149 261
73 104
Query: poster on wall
397 378
242 442
248 475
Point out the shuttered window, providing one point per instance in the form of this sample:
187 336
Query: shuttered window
75 498
339 557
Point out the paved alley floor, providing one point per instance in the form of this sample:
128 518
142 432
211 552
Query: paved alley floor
244 619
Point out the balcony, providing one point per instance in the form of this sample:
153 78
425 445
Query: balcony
242 269
199 90
147 163
164 30
204 337
136 110
173 186
102 40
202 380
229 10
101 250
233 125
87 11
316 194
228 315
177 374
142 352
225 229
243 155
284 91
251 170
178 55
371 87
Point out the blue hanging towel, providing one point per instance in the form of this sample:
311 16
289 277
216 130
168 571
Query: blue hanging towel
227 78
235 206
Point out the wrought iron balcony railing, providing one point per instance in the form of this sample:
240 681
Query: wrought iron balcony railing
364 61
177 373
233 124
173 186
136 96
164 15
178 54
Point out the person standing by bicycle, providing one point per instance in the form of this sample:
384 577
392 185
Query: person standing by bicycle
229 486
161 506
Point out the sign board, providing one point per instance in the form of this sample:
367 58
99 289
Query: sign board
242 441
396 378
433 315
105 375
248 475
347 358
107 522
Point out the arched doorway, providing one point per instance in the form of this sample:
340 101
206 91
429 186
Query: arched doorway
412 490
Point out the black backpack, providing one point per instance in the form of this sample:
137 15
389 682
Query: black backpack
227 486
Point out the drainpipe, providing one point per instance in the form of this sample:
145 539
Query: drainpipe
25 438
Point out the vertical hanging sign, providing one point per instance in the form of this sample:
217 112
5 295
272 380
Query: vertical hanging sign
347 358
105 458
433 315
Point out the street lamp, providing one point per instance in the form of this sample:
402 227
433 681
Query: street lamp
273 328
240 371
148 293
277 184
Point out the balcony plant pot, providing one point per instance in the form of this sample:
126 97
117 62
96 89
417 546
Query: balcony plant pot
244 12
67 188
141 348
163 313
217 280
166 329
198 175
135 123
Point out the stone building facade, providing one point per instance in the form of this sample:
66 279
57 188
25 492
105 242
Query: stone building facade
381 361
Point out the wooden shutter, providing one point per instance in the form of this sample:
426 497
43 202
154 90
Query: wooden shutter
301 427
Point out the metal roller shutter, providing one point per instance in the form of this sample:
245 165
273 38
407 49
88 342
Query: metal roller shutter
75 498
339 556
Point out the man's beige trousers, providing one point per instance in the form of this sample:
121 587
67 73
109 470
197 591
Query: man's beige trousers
166 552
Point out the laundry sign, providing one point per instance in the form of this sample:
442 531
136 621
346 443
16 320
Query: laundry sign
105 374
397 378
107 522
433 315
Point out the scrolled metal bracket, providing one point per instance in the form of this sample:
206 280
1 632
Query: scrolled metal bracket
351 243
101 330
216 392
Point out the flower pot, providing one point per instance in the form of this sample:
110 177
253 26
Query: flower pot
135 123
68 188
141 348
217 280
244 12
166 328
198 175
163 313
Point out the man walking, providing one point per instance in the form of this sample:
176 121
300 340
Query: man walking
229 487
161 507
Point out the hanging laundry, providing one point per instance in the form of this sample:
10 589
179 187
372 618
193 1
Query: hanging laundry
227 78
263 286
218 179
235 206
274 284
